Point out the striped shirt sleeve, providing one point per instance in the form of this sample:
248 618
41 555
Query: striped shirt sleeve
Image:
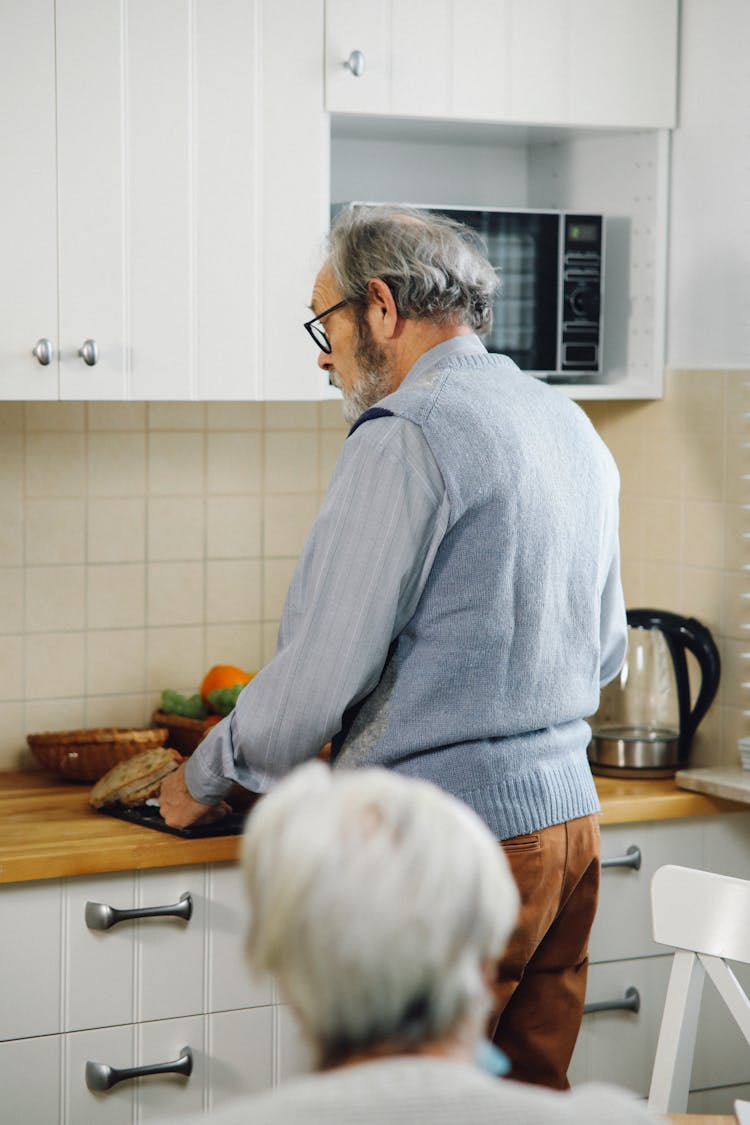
357 583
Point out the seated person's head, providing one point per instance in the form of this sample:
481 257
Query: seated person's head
381 905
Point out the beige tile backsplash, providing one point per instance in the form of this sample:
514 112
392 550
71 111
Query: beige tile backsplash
141 543
684 462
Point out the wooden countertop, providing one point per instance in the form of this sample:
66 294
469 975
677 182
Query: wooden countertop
48 830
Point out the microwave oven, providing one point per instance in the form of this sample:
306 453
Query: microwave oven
547 313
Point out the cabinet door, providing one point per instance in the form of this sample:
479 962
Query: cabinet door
354 26
28 207
622 62
91 166
294 173
559 62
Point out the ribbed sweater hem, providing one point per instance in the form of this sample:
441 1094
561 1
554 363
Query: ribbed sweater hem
527 802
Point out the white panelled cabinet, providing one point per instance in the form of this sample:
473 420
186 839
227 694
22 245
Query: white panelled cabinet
553 62
133 995
164 184
629 972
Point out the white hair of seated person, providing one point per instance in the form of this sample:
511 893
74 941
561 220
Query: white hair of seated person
379 903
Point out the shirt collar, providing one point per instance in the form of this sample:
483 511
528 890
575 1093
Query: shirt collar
429 360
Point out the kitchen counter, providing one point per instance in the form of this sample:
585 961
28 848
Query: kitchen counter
729 782
48 830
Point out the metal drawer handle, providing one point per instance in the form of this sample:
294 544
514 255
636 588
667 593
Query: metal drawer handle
100 916
630 1002
356 63
100 1076
632 858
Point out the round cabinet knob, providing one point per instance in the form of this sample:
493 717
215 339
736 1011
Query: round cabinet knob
356 64
43 351
89 352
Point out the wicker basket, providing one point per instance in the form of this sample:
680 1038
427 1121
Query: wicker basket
86 755
183 734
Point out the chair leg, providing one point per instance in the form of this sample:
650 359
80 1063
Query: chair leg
670 1080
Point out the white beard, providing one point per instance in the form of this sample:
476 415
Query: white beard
374 380
369 389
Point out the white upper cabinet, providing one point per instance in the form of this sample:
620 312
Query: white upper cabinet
28 227
607 63
165 172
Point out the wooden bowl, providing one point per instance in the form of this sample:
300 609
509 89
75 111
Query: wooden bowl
86 755
183 734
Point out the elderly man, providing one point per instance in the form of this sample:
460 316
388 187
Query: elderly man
457 605
380 905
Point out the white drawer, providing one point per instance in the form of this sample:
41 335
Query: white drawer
619 1046
30 927
43 1079
623 923
138 970
146 969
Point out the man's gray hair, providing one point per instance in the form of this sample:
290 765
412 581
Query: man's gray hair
377 901
435 267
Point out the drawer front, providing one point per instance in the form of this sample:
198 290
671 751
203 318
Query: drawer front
722 1054
623 922
619 1046
141 969
30 1079
30 925
233 1054
230 983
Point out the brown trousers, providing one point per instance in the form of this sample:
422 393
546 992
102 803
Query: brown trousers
541 981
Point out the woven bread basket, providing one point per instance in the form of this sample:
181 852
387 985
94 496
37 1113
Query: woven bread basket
86 755
183 734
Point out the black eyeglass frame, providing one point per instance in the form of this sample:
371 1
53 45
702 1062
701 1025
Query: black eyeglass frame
312 326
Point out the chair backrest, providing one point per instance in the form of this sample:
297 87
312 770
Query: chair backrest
706 918
701 911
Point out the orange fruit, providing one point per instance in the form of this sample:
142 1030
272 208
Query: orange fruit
223 676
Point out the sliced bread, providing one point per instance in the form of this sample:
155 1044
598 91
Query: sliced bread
132 782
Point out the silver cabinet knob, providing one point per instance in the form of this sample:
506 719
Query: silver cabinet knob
101 916
89 352
101 1076
43 351
356 63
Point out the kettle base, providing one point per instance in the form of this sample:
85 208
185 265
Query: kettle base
634 773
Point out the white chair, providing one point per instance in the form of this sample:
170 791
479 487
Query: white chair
706 917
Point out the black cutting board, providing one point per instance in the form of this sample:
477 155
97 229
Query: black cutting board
148 816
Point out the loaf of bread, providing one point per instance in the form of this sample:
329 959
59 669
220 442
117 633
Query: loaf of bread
132 782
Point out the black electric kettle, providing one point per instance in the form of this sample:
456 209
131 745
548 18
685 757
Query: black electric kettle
645 722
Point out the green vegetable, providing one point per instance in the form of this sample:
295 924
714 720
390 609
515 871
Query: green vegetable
222 700
188 706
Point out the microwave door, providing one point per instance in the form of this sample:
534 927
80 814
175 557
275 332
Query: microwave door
524 247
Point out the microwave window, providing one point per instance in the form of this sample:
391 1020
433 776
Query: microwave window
524 249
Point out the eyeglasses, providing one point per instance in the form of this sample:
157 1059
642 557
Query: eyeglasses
318 332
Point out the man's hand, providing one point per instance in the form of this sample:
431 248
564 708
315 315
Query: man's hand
179 809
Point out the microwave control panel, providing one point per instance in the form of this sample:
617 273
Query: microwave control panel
581 260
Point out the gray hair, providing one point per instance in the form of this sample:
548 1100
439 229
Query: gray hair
375 900
435 267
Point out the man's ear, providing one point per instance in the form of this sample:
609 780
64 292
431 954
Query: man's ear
382 313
